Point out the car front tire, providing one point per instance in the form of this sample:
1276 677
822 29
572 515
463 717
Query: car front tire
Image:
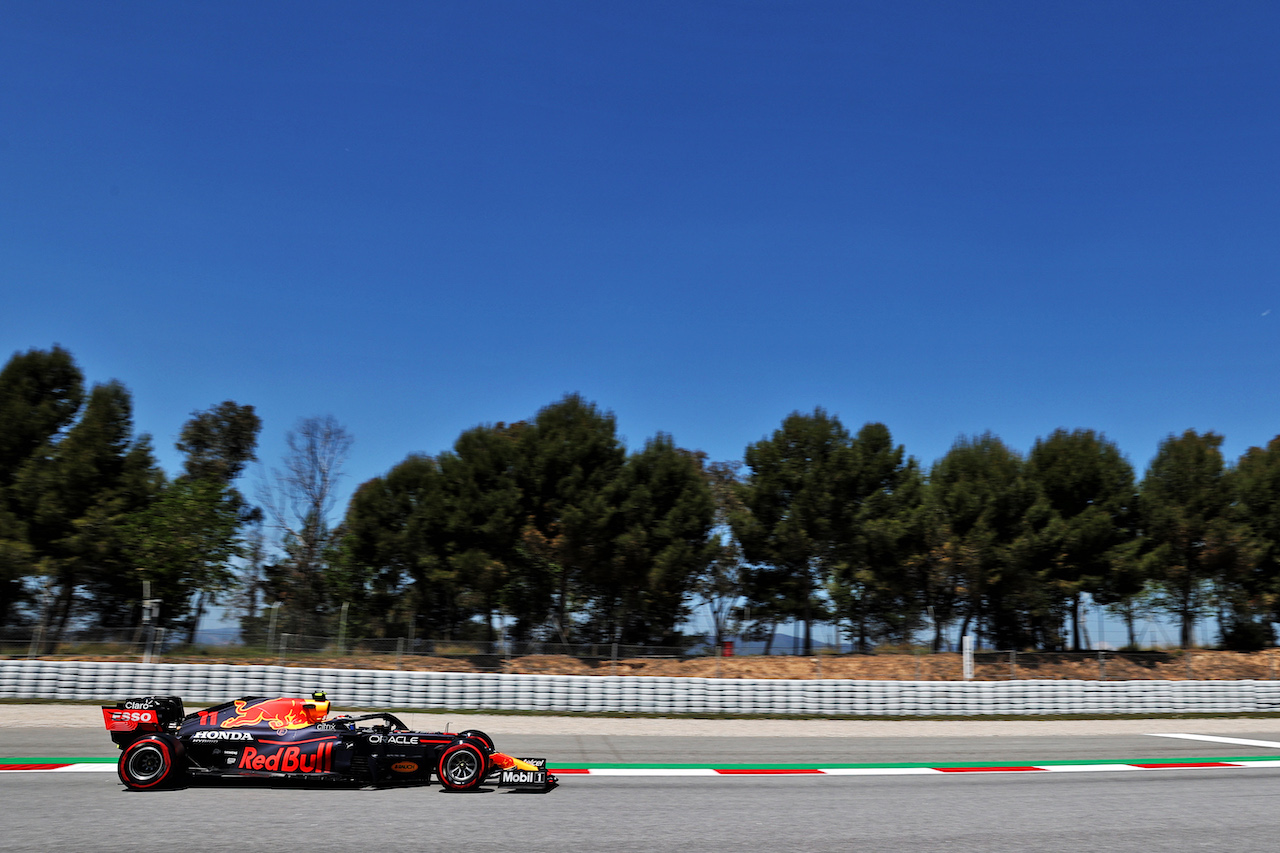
462 767
480 736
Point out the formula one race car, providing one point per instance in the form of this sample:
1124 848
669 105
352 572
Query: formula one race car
296 739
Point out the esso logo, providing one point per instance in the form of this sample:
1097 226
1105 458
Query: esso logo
135 716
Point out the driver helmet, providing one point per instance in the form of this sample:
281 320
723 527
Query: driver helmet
318 708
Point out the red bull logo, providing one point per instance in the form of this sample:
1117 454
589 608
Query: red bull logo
280 714
291 759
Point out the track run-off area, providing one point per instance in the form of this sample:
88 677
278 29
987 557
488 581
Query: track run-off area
704 785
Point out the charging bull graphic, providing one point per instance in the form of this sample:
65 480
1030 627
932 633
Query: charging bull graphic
281 714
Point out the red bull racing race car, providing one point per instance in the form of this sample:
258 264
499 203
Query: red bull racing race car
296 739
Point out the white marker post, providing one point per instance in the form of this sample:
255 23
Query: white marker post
966 656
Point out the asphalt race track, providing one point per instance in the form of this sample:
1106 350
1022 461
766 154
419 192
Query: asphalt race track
1229 809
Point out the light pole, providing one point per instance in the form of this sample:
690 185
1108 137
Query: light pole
271 627
46 608
342 628
150 611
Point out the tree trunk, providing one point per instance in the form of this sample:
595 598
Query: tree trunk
808 625
197 612
1186 634
1075 622
964 626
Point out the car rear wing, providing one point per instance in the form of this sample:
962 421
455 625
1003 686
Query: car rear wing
129 719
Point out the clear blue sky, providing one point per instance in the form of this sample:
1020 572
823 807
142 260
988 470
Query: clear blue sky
422 216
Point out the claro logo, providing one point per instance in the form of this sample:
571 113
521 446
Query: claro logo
291 759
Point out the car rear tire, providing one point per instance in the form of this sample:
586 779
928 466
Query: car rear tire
151 762
462 767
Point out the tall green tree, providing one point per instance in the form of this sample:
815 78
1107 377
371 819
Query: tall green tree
547 524
719 588
41 392
1251 581
1184 502
1089 496
393 566
78 494
936 564
880 495
571 456
660 544
299 506
218 443
184 542
797 518
484 518
982 497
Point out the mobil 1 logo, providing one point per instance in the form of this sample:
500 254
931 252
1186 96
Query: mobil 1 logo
517 777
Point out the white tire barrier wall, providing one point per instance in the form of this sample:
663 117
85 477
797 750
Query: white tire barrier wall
207 684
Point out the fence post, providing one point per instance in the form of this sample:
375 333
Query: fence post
1102 665
271 627
399 650
613 661
966 657
37 640
284 645
1013 664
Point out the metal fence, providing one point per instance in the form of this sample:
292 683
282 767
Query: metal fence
149 645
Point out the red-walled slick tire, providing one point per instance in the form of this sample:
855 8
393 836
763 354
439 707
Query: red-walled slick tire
480 736
462 767
151 762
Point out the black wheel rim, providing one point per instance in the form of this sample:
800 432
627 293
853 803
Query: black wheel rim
462 767
146 763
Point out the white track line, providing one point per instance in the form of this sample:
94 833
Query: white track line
1267 744
1089 768
882 771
